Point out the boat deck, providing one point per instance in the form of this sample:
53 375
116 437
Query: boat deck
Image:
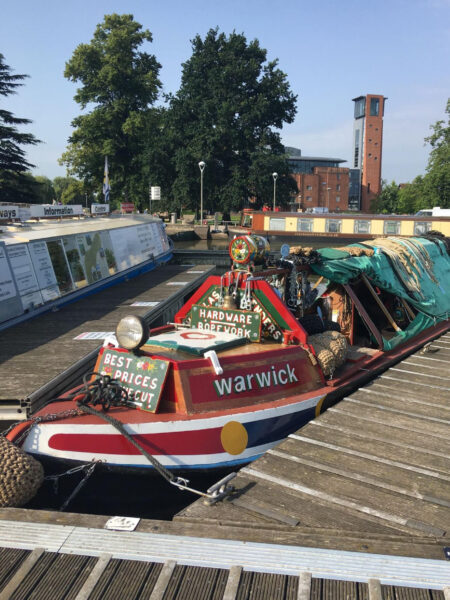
372 472
42 356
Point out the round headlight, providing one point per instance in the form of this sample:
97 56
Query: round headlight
131 332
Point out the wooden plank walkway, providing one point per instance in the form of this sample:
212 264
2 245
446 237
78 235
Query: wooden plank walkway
373 470
67 556
41 357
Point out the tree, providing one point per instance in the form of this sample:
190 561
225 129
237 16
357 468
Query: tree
411 197
437 180
229 102
387 201
69 190
15 185
46 192
121 83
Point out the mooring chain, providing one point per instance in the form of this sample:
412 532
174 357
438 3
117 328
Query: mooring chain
212 495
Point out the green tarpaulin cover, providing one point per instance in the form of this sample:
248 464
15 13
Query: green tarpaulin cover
415 269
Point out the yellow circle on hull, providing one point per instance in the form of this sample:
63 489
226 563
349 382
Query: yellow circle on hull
234 437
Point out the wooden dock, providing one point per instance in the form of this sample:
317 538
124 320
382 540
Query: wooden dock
371 474
41 357
76 557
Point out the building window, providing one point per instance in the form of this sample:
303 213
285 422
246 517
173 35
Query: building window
309 198
276 224
309 187
334 226
362 227
421 227
338 176
338 187
360 105
391 227
304 224
338 198
374 107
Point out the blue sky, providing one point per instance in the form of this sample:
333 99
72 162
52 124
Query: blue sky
331 52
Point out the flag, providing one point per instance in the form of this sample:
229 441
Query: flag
106 186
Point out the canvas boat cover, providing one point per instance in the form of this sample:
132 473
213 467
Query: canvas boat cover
416 269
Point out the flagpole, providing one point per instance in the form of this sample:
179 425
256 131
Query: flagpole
106 186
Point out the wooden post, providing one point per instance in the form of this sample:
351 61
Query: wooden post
380 304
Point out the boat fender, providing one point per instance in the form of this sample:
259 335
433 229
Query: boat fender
21 475
211 354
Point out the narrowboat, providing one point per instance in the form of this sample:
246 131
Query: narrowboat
251 357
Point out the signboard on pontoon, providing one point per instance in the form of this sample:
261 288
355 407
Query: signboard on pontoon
133 245
44 270
100 209
239 322
10 305
55 211
9 212
24 274
142 377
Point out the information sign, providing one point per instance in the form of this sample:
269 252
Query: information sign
127 207
143 377
50 211
239 322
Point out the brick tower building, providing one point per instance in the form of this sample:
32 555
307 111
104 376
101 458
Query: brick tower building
367 147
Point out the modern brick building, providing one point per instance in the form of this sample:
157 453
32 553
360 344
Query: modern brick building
321 181
367 150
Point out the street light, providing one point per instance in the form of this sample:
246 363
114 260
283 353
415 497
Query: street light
275 177
201 166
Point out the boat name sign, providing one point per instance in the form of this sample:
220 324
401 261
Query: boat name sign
142 377
242 323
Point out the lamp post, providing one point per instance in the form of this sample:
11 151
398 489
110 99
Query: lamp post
201 166
275 177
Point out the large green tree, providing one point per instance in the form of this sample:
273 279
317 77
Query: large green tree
230 103
15 184
387 201
437 179
119 84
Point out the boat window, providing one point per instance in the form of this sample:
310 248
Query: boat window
362 226
391 227
334 225
421 227
276 224
305 224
